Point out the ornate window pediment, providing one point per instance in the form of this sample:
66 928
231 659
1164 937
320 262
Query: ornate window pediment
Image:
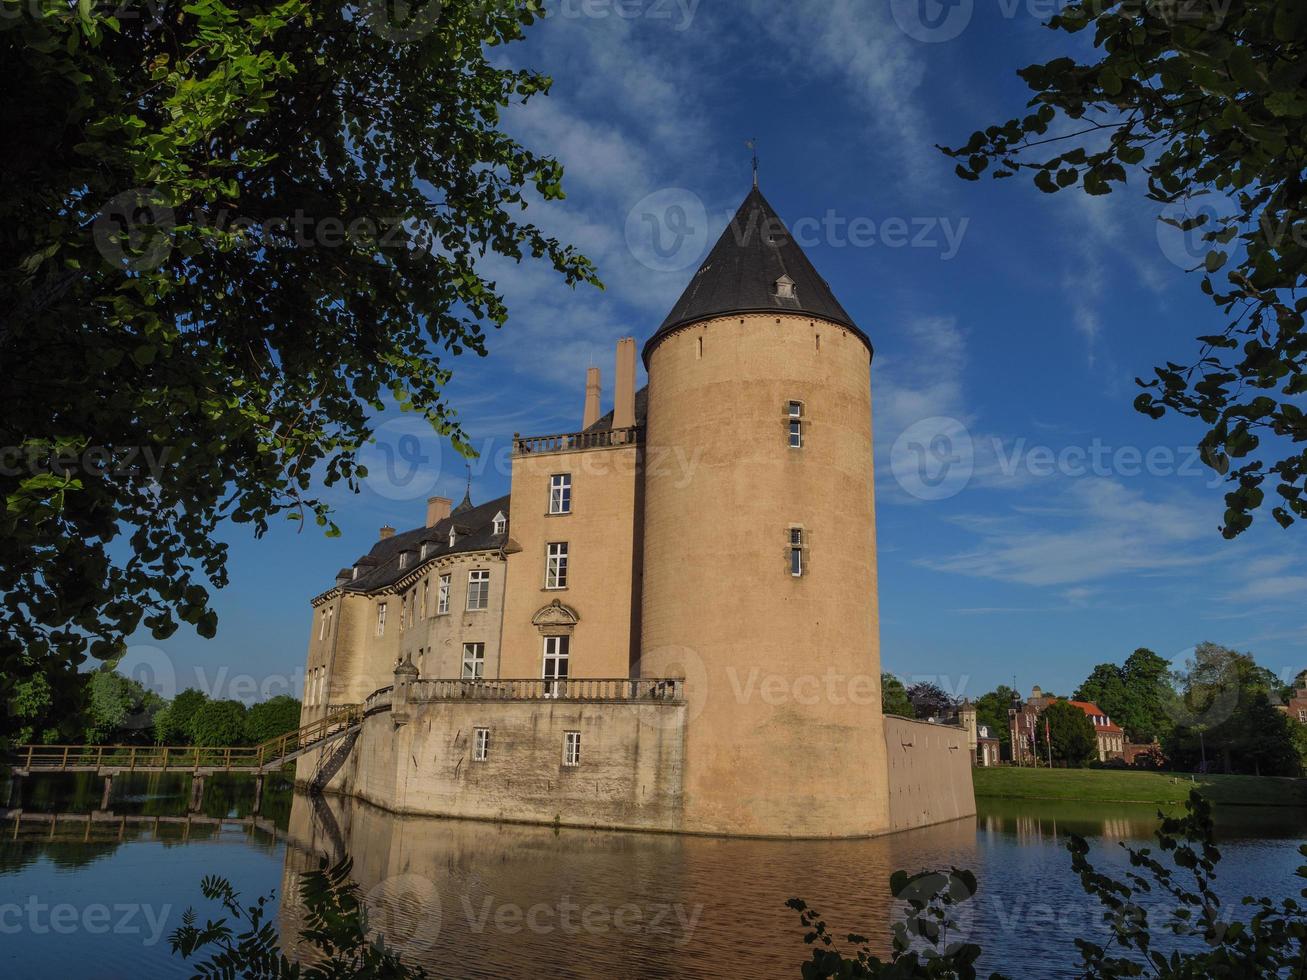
555 619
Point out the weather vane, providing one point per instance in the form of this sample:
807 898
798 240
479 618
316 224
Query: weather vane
753 145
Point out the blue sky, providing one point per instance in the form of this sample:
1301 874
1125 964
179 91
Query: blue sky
1008 322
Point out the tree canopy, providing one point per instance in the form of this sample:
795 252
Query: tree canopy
229 235
1070 733
894 697
1207 103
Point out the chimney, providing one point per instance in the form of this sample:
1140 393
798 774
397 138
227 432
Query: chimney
437 510
592 391
624 385
387 532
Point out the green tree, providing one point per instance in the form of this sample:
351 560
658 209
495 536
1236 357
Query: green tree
268 719
929 700
1069 730
219 723
175 724
119 709
230 235
894 697
1148 683
992 711
1105 686
1205 101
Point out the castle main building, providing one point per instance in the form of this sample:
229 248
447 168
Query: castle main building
671 621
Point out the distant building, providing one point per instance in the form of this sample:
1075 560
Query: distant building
984 747
1111 739
1297 706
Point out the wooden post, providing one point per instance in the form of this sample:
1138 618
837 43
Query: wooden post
108 789
197 792
258 793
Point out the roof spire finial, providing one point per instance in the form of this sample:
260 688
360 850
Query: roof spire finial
753 145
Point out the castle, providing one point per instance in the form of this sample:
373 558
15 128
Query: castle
671 621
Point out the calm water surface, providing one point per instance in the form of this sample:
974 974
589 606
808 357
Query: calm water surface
479 900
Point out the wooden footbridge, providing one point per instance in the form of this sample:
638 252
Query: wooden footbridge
197 761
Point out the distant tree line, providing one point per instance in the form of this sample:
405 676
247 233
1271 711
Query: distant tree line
1217 713
103 707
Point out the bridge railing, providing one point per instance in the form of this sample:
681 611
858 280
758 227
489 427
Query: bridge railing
180 757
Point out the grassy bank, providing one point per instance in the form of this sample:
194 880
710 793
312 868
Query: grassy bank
1117 786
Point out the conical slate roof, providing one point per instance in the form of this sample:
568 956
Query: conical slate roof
742 272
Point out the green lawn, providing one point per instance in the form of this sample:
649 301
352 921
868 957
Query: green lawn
1126 786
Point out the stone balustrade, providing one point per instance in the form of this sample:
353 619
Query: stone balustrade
574 441
671 690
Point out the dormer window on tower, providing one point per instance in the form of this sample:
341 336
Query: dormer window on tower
500 523
453 537
784 288
403 559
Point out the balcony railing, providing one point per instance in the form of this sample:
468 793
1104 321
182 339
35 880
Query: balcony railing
574 441
670 690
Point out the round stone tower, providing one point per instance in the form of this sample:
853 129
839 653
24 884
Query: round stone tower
760 544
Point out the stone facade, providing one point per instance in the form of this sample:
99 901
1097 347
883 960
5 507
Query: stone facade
676 624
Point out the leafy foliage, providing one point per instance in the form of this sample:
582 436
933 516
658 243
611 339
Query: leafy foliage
1273 942
1270 942
219 723
119 709
175 724
992 712
920 940
930 700
230 234
1070 733
1207 101
336 930
1135 695
894 697
268 719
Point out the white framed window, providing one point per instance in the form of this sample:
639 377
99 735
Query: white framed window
403 559
796 551
474 661
478 589
381 619
795 412
426 583
500 524
556 565
453 537
560 493
322 627
442 596
356 572
412 606
558 650
480 744
422 554
571 748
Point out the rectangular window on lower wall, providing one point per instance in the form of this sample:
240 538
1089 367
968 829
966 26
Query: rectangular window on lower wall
480 744
571 748
478 589
474 661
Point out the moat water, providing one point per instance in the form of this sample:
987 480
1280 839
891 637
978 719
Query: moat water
468 899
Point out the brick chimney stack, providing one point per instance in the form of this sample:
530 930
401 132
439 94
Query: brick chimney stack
387 532
624 385
592 394
437 510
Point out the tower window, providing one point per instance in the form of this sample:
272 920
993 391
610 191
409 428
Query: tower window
442 596
453 537
794 411
560 493
556 565
571 748
480 744
796 551
403 559
426 583
478 589
474 661
381 619
785 288
500 523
